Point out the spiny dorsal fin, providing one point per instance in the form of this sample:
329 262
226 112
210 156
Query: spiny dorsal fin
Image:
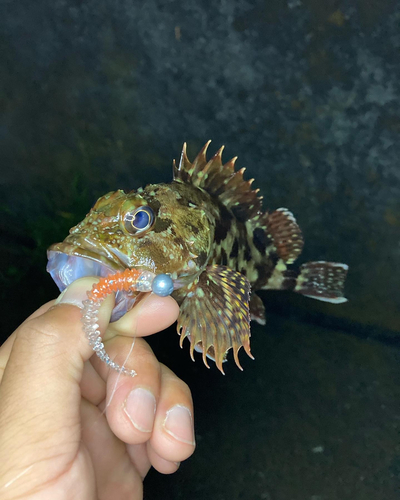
220 180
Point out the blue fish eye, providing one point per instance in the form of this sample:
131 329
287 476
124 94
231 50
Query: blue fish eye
139 220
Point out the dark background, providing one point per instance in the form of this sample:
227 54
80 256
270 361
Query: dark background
100 95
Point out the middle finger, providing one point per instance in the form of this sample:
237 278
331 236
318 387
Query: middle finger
131 401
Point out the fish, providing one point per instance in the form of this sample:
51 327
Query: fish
208 231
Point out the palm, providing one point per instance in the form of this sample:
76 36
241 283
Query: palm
99 466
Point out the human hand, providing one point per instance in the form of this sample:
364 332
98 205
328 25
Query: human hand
60 435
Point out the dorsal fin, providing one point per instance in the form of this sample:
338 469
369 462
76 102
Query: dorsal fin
286 234
220 180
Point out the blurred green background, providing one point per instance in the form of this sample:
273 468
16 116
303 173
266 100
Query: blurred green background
101 95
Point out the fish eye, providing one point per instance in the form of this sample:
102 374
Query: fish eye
139 220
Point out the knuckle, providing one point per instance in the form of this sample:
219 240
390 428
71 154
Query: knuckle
185 389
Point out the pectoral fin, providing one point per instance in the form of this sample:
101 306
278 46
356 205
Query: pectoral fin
215 315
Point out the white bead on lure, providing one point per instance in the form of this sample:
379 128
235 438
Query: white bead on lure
130 280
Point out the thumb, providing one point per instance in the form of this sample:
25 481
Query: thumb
39 393
54 342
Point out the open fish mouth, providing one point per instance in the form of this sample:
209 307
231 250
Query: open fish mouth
67 263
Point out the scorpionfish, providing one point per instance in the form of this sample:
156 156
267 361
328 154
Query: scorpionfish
208 231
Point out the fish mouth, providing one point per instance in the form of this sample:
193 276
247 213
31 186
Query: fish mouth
67 263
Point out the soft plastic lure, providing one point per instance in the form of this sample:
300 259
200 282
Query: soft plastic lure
131 280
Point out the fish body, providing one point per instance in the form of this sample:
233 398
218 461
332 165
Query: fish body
207 230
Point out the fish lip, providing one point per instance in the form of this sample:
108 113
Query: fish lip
78 251
67 262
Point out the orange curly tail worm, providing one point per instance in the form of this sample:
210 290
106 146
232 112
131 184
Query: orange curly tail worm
128 280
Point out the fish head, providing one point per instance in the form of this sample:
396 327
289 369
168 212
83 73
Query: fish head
153 229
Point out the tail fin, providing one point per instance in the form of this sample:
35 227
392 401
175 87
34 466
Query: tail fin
318 280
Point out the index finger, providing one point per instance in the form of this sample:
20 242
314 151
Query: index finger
151 315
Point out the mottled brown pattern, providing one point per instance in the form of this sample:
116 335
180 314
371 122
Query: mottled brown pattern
211 235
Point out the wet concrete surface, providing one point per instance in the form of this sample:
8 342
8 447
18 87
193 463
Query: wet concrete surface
101 95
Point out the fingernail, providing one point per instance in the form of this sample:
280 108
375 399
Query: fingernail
179 424
76 292
140 407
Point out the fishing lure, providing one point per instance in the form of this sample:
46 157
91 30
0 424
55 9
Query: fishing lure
130 280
